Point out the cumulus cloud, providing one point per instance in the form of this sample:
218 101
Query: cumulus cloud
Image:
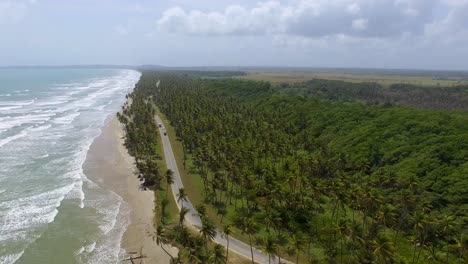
318 18
235 19
13 10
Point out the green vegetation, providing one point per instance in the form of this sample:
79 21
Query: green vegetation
455 97
317 178
382 77
143 143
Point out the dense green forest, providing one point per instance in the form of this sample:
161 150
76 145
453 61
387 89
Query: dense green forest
317 178
454 97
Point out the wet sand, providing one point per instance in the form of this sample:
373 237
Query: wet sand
109 165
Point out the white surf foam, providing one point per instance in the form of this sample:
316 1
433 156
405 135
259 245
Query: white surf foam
44 156
25 213
23 133
21 216
9 108
7 140
68 119
11 258
9 122
17 103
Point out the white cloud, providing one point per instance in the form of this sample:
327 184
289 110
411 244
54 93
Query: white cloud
235 19
313 18
353 8
359 24
12 11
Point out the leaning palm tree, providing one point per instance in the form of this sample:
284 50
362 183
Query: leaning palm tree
169 180
208 230
161 239
227 231
182 195
183 212
270 246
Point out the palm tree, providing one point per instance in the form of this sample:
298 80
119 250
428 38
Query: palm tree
227 231
383 249
270 246
249 227
421 226
218 256
342 228
183 212
385 215
169 179
182 195
355 234
446 224
297 244
208 230
161 239
201 209
462 247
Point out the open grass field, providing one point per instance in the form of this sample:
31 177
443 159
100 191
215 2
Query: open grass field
384 80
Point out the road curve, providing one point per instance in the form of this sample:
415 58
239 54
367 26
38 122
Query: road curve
193 219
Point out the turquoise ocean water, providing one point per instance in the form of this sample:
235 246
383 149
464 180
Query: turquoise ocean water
50 212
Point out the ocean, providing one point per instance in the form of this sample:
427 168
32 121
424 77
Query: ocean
50 212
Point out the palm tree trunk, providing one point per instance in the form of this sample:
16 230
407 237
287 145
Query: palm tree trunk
414 252
419 253
227 250
251 248
172 258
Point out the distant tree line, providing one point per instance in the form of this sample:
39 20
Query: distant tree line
454 97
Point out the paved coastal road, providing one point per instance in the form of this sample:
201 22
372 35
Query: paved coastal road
192 217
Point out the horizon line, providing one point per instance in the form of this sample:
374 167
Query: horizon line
237 67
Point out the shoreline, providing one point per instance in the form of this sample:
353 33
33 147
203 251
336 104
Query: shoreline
109 165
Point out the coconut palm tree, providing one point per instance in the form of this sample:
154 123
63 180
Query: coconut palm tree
218 257
201 210
461 247
386 215
183 212
248 226
297 244
208 230
270 246
161 239
422 225
182 195
446 225
383 249
227 231
341 228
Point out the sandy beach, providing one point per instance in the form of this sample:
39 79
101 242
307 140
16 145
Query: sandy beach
109 165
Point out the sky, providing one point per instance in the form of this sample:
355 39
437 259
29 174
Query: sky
410 34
